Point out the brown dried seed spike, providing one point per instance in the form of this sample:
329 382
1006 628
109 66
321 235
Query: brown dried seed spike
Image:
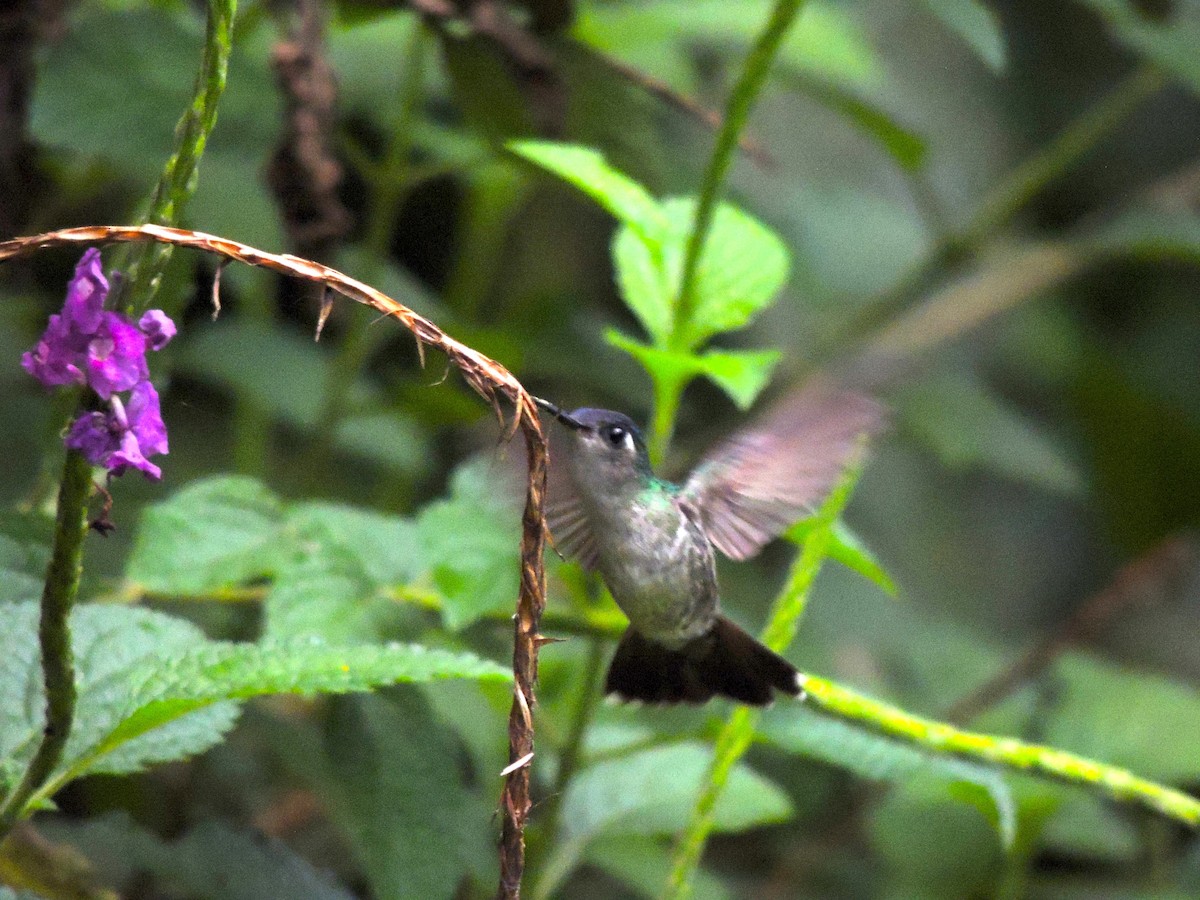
326 309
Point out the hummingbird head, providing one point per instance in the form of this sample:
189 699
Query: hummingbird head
606 447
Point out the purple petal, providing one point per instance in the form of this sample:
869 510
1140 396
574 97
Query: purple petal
55 359
158 328
116 356
90 435
129 456
86 293
145 419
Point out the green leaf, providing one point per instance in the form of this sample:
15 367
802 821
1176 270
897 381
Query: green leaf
338 582
742 268
393 781
967 425
904 145
1139 721
847 548
1171 45
977 25
118 655
214 533
390 438
386 546
280 371
152 689
742 374
645 866
825 39
629 202
1154 234
651 792
470 544
643 282
879 758
324 592
211 861
24 553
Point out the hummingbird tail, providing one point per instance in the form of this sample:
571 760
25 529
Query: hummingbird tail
725 661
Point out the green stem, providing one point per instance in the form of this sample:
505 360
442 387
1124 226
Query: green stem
178 181
738 732
741 101
938 737
1080 136
1003 203
54 636
668 391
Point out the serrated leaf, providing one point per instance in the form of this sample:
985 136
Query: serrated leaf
643 282
742 374
386 545
118 653
324 592
214 533
849 549
24 552
742 268
337 582
152 689
652 791
470 543
629 202
977 25
873 756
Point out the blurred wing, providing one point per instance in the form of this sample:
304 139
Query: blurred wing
754 485
570 528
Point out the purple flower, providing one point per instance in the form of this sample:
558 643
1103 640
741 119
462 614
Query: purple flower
116 356
84 344
158 328
123 437
58 357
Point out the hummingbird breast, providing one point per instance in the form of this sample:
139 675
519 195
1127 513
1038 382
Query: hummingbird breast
658 565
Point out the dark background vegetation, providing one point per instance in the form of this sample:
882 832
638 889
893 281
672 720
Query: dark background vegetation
1033 499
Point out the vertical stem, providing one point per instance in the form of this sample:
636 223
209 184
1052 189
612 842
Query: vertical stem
54 636
738 732
741 101
667 394
179 177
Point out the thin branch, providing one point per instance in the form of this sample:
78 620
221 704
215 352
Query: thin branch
490 380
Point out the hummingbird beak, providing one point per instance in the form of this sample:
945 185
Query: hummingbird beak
555 411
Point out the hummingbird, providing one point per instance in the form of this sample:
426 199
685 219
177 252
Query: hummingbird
654 542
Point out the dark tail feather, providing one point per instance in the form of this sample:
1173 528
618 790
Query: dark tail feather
725 661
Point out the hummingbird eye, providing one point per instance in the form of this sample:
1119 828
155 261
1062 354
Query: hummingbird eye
617 436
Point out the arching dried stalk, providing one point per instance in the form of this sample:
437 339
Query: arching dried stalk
492 382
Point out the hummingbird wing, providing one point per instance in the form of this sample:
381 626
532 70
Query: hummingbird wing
570 528
755 484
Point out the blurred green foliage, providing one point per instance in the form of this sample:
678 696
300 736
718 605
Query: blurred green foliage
988 211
